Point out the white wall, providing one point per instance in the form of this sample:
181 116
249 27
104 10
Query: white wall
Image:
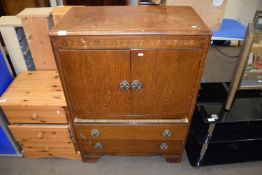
242 10
133 2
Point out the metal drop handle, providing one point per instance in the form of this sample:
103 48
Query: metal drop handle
163 146
136 85
94 133
166 133
124 85
98 146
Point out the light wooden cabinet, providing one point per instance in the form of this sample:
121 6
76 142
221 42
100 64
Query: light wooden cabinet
130 83
35 107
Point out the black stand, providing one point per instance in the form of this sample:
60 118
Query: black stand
218 136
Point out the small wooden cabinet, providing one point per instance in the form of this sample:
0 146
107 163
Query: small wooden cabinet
130 82
35 107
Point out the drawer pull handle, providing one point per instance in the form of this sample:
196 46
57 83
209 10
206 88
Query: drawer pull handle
163 146
136 85
94 133
40 135
98 146
124 85
166 133
34 116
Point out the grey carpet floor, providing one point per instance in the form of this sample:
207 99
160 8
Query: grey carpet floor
220 68
120 166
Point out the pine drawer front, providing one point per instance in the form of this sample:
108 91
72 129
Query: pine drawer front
86 132
39 153
27 134
45 141
134 147
30 114
49 145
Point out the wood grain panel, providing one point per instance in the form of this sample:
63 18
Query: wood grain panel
131 121
130 132
13 7
49 145
40 153
130 41
132 148
97 2
36 30
242 61
129 20
33 114
35 89
93 80
40 134
58 12
168 80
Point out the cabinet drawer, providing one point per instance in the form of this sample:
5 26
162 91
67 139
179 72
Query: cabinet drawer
49 145
85 132
39 153
28 134
28 114
134 147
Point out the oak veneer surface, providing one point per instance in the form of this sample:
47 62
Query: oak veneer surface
124 20
167 78
100 91
131 132
58 12
13 7
96 2
132 147
96 48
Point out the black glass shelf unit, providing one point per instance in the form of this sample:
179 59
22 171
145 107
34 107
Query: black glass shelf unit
224 130
232 136
222 153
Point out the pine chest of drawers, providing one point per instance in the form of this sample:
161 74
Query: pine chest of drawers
130 77
35 107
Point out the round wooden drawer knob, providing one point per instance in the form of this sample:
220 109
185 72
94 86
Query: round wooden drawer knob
34 116
40 135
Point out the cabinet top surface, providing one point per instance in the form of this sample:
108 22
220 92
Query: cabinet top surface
130 20
36 88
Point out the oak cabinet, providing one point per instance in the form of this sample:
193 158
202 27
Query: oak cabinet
131 83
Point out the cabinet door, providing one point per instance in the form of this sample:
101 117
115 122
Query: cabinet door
92 79
168 79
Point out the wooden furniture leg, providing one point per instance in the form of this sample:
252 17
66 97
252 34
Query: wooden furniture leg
172 158
90 158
